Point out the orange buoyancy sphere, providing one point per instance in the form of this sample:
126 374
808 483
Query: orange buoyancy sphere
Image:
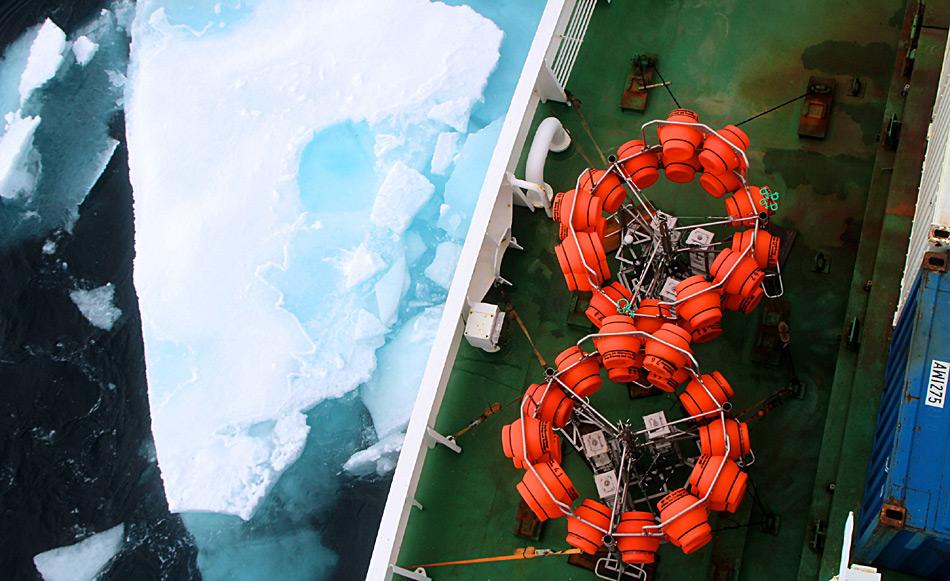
717 156
588 536
765 248
637 550
541 491
706 397
638 164
668 350
605 185
689 531
739 275
587 211
718 185
555 406
618 350
714 435
579 371
701 303
651 314
574 252
680 141
537 442
742 209
603 302
725 490
681 171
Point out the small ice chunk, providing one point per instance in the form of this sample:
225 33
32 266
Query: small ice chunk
15 148
84 49
357 265
390 290
49 247
446 150
465 183
415 247
391 393
97 305
454 113
403 192
46 53
380 458
442 267
82 561
386 142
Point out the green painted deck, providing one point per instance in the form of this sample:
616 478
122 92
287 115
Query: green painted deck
846 197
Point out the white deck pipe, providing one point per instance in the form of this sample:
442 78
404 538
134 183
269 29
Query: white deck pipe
550 136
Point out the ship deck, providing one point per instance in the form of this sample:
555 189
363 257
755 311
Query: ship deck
847 197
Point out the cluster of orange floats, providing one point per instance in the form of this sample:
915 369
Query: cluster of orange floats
649 340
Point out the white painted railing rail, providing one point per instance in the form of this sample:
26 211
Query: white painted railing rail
533 86
571 40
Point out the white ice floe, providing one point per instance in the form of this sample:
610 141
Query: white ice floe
49 247
380 458
391 393
83 561
446 150
246 323
18 165
97 305
402 194
84 49
463 186
442 268
46 54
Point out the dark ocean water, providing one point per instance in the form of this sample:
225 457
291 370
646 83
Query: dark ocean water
76 454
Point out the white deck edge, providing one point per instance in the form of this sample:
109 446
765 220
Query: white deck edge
507 152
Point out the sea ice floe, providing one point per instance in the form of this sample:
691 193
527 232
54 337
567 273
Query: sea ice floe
46 54
97 305
19 166
83 561
442 267
446 150
84 49
250 315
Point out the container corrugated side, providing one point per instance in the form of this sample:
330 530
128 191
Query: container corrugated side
904 520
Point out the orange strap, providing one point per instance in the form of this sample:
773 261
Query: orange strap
520 554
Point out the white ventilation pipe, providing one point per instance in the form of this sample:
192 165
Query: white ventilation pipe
550 136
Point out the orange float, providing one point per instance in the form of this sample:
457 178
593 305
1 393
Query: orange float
691 530
604 306
569 253
713 443
637 550
726 491
696 400
605 185
717 157
662 360
703 334
533 492
740 208
765 250
679 141
578 371
681 171
742 304
718 185
588 537
618 351
642 170
556 407
701 306
540 442
741 274
588 211
650 315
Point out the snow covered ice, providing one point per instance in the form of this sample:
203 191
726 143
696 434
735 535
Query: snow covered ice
264 288
97 305
82 561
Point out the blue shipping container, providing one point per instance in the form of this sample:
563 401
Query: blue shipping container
905 516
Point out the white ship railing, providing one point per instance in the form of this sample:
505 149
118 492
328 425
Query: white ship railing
571 41
534 85
931 227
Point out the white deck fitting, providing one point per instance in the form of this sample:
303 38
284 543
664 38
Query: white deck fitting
495 198
933 201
